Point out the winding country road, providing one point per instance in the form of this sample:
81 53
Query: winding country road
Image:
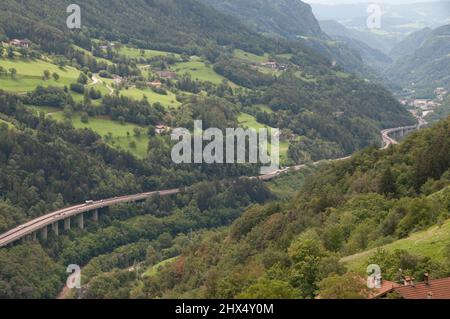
32 227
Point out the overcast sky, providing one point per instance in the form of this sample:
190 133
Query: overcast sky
366 1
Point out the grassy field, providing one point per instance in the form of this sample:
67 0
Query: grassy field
118 132
198 70
136 53
249 121
137 94
90 54
153 270
250 57
30 74
430 243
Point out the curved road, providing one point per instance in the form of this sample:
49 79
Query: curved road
39 223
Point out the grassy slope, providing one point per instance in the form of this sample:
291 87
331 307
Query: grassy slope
153 270
430 243
165 100
30 73
198 70
136 53
249 121
104 126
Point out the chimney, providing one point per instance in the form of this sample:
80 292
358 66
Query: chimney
426 278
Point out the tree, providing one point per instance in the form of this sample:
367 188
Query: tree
10 53
47 74
269 289
387 183
347 286
82 79
13 73
55 76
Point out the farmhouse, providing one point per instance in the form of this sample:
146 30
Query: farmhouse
159 129
166 74
20 43
270 64
154 84
428 289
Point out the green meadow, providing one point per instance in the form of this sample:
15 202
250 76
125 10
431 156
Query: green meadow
153 270
137 53
88 53
169 100
198 70
122 134
30 75
249 121
432 243
250 57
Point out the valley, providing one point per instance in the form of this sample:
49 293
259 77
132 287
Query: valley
87 170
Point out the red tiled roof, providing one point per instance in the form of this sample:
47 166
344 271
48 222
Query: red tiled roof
435 289
386 287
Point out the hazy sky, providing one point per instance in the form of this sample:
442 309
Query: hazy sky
366 1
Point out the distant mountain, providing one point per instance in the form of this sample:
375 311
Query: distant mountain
402 17
428 66
357 41
288 18
398 20
293 20
410 44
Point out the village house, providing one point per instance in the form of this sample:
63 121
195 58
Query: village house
272 64
105 46
428 289
155 84
166 74
160 129
20 43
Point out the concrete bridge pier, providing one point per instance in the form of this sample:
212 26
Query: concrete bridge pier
44 233
34 236
55 228
81 221
67 224
95 215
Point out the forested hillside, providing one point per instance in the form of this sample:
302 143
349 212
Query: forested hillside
294 20
173 25
287 18
293 249
428 66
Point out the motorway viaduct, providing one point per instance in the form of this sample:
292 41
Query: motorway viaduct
62 219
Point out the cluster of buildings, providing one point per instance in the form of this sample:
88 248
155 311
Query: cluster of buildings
274 65
440 94
18 43
108 45
426 105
